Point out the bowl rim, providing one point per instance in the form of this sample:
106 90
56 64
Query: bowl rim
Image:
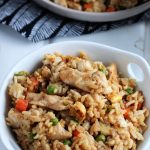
9 73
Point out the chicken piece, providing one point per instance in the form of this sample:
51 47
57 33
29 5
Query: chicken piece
81 64
44 145
128 3
16 90
114 2
85 81
99 6
60 146
100 127
83 55
101 146
74 5
61 2
113 77
78 110
58 133
134 132
80 128
78 79
95 128
45 72
21 80
50 101
16 119
84 141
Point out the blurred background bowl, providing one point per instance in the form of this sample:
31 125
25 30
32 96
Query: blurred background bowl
93 16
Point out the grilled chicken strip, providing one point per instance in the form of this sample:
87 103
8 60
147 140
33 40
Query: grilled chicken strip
78 110
60 146
85 81
113 77
58 133
16 119
84 141
50 101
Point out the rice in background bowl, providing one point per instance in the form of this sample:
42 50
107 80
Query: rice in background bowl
96 52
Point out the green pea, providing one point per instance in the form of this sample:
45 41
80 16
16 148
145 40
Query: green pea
65 103
51 89
32 135
54 121
75 120
129 90
22 73
67 142
103 70
100 137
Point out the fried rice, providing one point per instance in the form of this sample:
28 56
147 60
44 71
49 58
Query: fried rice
74 103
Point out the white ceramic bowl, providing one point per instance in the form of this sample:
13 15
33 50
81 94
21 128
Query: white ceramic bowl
92 16
96 52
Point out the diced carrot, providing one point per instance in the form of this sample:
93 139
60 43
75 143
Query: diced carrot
21 105
34 84
111 9
34 80
76 133
140 104
87 6
126 114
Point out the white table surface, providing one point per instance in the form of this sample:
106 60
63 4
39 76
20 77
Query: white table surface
13 46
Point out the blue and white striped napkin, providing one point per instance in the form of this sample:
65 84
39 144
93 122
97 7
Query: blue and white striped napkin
37 24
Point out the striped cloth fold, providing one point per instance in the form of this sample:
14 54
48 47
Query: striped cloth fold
37 24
